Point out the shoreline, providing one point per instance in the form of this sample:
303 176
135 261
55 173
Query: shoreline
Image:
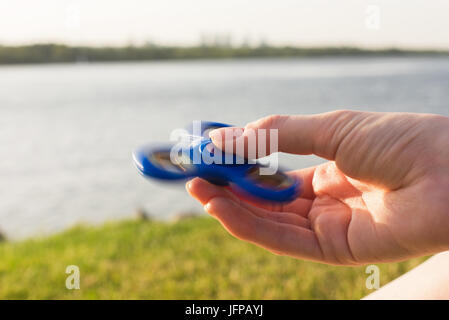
59 53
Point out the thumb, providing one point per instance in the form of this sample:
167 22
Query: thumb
320 134
389 149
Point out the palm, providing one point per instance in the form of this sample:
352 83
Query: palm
337 220
351 221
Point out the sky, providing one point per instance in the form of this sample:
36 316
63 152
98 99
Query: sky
375 23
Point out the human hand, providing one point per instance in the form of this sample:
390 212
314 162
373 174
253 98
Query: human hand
383 196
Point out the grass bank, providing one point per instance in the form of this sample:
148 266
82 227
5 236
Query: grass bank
191 259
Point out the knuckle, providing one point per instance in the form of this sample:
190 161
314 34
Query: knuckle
271 121
340 113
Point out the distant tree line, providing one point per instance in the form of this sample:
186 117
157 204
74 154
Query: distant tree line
57 53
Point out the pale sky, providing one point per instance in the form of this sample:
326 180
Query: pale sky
381 23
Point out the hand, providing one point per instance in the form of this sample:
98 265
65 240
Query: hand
384 196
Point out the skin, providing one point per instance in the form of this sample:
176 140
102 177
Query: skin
382 196
430 280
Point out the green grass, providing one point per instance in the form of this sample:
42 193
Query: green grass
191 259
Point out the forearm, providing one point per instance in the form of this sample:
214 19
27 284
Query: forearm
430 280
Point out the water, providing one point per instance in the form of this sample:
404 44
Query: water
67 131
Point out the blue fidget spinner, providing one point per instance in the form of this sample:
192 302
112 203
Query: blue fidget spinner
199 158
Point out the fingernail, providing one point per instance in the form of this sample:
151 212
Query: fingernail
228 133
237 132
215 134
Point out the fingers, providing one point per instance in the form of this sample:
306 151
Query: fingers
298 206
281 217
330 219
278 237
305 176
204 191
320 134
